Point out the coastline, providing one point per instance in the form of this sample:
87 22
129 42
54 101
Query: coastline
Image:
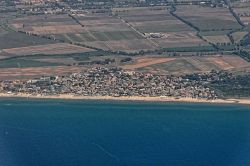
130 98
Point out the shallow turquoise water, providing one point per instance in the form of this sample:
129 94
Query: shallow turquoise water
106 133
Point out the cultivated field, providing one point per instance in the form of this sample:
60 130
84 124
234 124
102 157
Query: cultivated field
49 49
160 27
19 73
184 65
238 36
129 29
153 20
207 18
147 61
100 31
47 24
180 39
217 39
243 11
15 39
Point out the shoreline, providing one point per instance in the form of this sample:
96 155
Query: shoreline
130 98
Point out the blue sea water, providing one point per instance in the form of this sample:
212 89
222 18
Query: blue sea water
110 133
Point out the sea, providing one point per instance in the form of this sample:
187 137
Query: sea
122 133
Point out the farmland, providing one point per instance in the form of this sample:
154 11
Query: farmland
207 18
98 31
51 49
160 27
187 65
175 38
31 72
243 12
217 39
15 39
129 30
238 36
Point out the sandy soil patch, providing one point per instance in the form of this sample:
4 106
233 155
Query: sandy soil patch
144 62
220 63
236 61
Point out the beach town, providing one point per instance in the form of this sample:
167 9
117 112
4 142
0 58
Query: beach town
116 82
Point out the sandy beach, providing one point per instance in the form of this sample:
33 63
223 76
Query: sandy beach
130 98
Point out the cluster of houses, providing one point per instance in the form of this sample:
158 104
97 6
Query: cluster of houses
111 82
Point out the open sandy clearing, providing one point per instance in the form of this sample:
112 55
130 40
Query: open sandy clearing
143 62
222 64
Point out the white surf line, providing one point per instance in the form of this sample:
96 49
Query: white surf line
106 151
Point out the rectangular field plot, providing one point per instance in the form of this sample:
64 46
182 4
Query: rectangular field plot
185 65
161 26
107 27
181 39
214 33
244 14
56 29
207 18
217 39
31 72
50 49
133 18
42 19
129 29
147 61
14 39
97 20
130 45
116 35
95 30
98 44
238 36
47 24
152 20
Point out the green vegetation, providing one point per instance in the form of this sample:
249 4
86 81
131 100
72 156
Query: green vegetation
244 54
214 33
190 49
246 40
238 36
15 39
116 35
233 86
22 63
177 66
226 47
155 28
207 18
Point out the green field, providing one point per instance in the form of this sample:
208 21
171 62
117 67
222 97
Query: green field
191 49
15 39
22 63
238 36
214 33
